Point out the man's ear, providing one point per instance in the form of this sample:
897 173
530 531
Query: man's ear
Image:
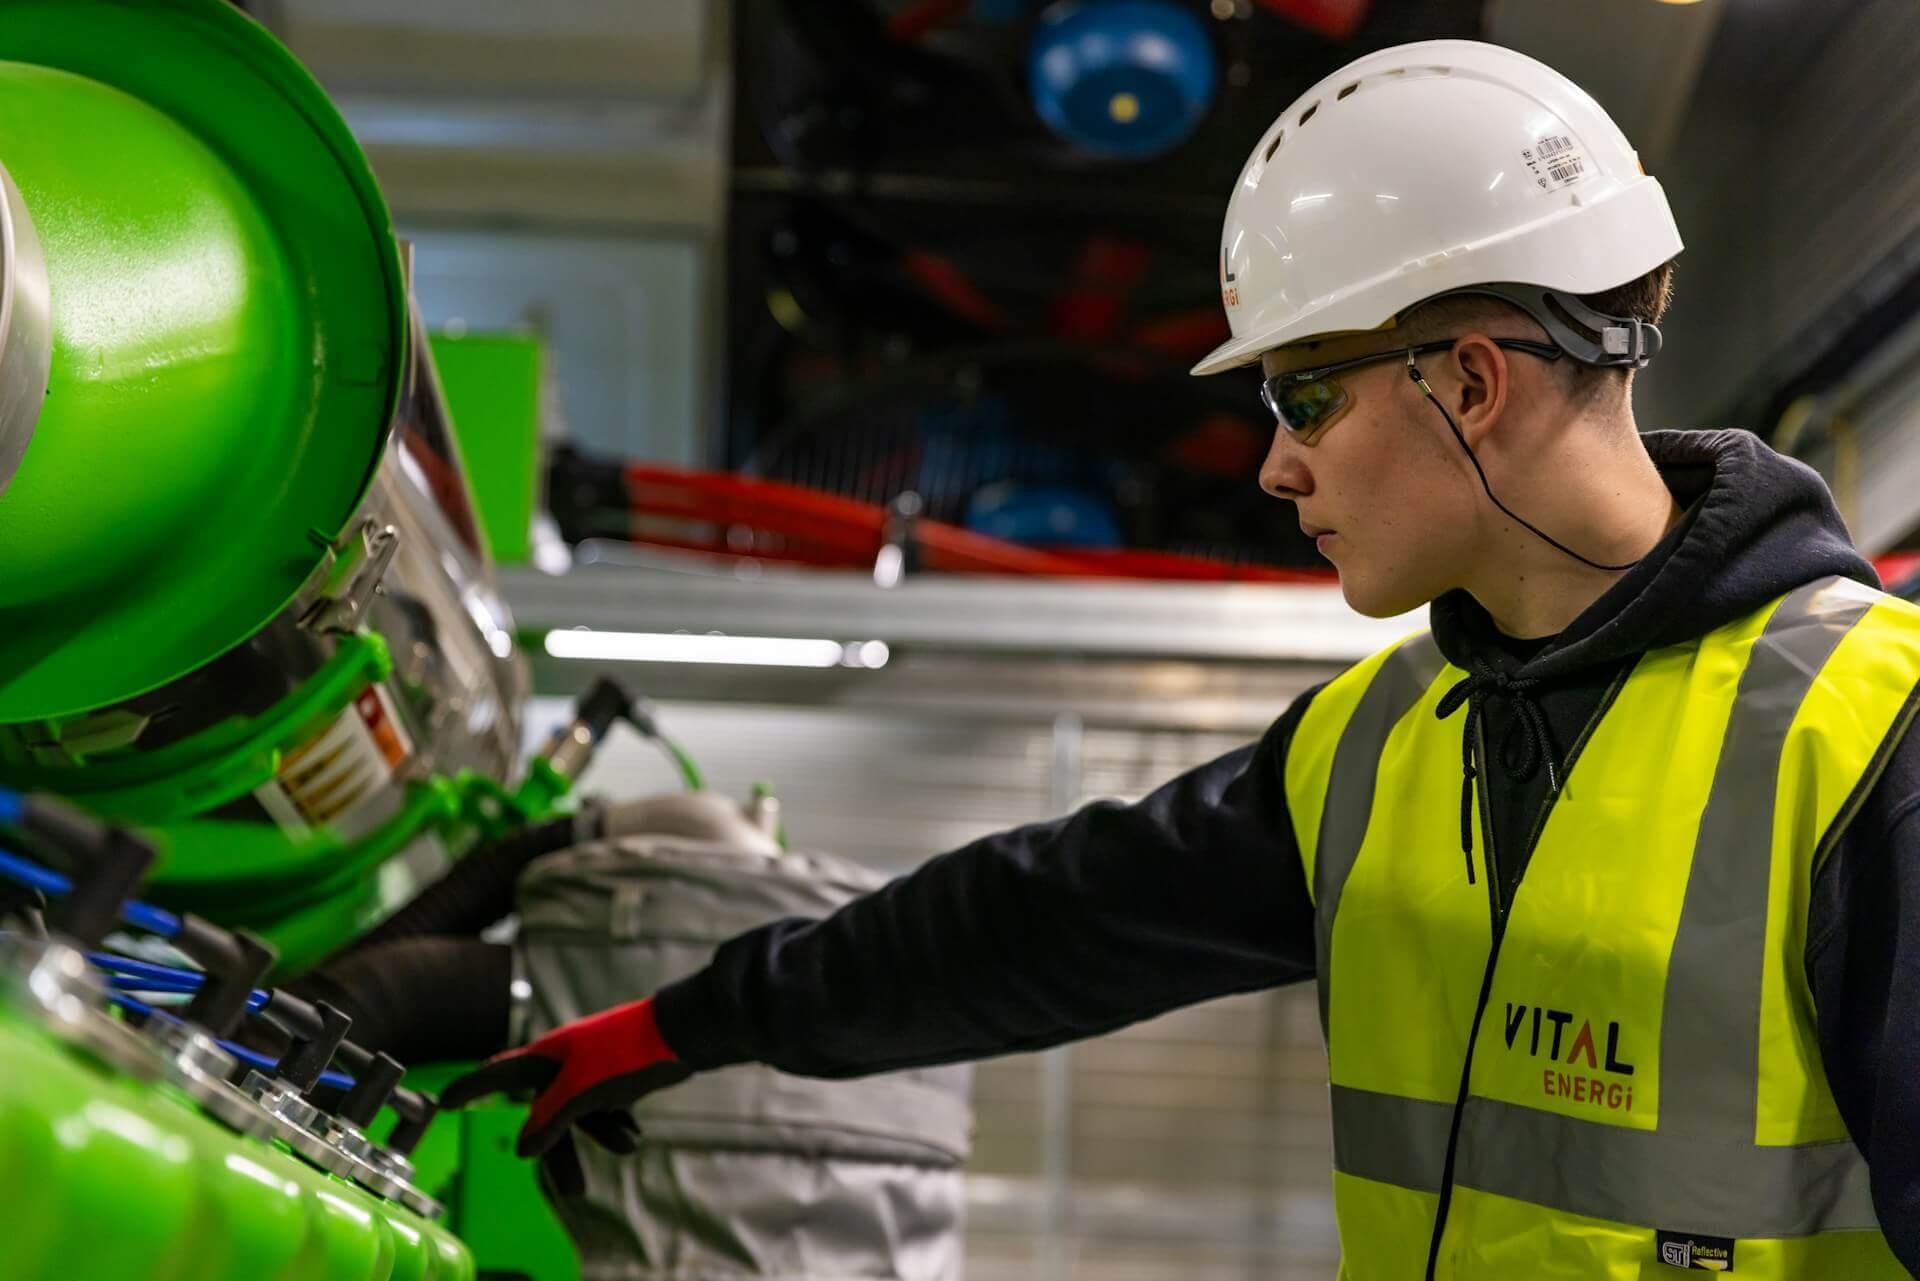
1482 381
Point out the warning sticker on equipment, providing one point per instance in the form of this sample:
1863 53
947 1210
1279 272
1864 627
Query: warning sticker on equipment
341 777
1555 161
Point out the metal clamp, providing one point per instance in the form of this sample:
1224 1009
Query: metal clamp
351 573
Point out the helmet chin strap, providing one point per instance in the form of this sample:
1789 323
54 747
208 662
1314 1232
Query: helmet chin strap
1413 372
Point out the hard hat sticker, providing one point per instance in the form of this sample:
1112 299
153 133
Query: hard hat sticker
1555 161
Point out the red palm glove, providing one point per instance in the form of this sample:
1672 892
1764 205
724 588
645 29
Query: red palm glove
586 1073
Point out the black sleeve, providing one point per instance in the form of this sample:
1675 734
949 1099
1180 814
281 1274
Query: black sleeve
1025 939
1863 964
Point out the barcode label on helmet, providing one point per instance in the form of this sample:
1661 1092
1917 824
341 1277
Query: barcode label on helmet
1554 162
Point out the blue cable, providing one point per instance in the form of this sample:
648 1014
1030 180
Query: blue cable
128 983
256 1002
161 978
133 968
127 972
142 916
154 920
336 1080
138 969
32 875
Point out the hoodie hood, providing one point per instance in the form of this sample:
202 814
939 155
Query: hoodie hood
1757 525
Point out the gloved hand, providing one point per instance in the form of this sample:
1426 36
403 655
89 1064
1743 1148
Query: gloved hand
586 1073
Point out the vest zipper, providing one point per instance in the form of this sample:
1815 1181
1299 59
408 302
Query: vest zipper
1499 909
1494 898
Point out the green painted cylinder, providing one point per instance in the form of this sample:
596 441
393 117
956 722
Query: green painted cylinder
228 338
108 1179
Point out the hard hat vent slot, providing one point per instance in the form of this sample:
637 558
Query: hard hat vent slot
1308 113
1274 146
1349 91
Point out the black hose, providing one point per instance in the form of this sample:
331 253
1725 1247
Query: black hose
421 986
422 1000
475 892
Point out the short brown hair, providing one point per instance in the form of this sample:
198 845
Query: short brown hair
1645 298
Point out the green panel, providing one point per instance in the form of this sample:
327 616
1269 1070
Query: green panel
229 337
107 1179
492 382
493 1197
502 1215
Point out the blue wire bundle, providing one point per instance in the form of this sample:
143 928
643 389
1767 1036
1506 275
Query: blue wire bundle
127 976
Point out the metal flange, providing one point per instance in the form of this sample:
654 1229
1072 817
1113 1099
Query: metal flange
196 1065
56 987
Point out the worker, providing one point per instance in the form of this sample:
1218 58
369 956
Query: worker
1607 881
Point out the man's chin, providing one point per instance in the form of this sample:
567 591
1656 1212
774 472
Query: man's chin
1378 600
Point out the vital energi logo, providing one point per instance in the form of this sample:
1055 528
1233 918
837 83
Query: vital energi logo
1543 1029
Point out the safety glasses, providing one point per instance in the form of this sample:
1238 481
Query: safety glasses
1308 399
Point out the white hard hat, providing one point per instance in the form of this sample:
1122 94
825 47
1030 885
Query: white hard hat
1425 169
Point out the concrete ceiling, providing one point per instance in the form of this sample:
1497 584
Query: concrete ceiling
588 113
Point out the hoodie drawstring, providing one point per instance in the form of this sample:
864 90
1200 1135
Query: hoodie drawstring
1536 746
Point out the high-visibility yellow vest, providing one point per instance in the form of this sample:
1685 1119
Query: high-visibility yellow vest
1616 1075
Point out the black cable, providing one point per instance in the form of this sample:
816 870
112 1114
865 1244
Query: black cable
476 891
1413 372
421 1000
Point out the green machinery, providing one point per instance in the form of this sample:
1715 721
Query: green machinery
245 610
114 1166
244 598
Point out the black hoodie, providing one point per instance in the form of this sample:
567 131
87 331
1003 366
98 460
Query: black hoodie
1063 930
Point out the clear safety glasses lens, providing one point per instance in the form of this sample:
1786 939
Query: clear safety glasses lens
1302 407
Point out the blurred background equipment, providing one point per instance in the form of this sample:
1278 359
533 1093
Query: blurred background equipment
1125 77
971 302
852 254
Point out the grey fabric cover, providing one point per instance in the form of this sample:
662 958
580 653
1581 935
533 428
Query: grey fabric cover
743 1172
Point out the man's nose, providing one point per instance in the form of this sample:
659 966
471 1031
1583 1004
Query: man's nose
1284 474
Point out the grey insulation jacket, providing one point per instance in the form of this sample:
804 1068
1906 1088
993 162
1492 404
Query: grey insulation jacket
744 1172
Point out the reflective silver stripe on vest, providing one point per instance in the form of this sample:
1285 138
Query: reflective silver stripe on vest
1389 1139
1701 1171
1403 677
1710 1026
1604 1171
1659 1180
